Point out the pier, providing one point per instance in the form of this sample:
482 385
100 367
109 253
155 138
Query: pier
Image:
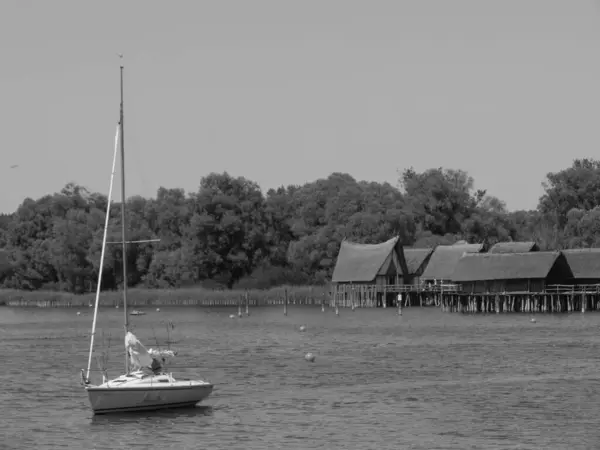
448 297
554 299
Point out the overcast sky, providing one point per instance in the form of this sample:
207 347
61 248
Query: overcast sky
285 92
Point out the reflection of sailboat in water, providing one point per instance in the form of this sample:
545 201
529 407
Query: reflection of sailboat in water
146 385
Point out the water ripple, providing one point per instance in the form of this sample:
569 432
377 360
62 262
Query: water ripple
426 380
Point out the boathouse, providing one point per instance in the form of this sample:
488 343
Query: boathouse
366 274
514 247
444 259
416 262
377 264
584 264
511 272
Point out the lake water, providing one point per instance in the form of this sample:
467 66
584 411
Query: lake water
426 380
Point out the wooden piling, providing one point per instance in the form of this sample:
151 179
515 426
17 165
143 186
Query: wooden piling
554 299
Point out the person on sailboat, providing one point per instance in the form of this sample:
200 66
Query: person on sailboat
138 355
156 366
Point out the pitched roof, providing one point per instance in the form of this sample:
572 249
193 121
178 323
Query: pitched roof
504 266
444 258
514 247
584 262
361 262
416 257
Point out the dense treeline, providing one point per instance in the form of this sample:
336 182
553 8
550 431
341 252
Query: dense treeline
229 233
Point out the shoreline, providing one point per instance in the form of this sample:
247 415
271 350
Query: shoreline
136 297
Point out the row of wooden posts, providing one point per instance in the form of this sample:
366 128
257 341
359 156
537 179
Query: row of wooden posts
366 297
526 303
245 299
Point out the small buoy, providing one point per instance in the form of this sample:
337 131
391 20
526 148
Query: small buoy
78 313
231 316
157 309
322 308
309 357
302 328
533 320
89 305
117 307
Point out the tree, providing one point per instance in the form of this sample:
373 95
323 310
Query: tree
226 229
441 199
229 234
338 207
582 229
577 186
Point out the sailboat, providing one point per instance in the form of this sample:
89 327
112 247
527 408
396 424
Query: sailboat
145 385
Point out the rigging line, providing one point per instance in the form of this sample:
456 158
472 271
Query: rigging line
112 176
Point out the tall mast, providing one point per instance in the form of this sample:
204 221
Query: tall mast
123 221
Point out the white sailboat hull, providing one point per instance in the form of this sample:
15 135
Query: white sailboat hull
145 393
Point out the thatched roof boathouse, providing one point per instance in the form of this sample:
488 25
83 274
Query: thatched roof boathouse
373 274
444 259
585 265
511 272
531 281
378 264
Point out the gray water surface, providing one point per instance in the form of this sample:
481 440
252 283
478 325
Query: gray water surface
426 380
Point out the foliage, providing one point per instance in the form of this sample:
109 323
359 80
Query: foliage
229 234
